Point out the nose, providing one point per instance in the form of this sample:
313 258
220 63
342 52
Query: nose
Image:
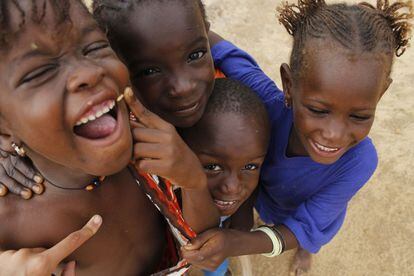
232 184
181 86
334 131
84 75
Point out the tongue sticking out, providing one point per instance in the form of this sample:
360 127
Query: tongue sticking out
97 129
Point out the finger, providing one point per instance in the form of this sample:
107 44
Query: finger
22 179
149 135
69 269
200 240
193 256
13 186
72 242
152 166
135 124
27 170
143 115
3 190
148 151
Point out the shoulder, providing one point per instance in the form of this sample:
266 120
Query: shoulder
359 163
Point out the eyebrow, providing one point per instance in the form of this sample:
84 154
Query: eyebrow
219 156
198 40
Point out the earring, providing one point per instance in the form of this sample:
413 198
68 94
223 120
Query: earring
287 104
19 150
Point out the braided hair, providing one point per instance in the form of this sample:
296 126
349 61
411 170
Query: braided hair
109 13
37 13
362 27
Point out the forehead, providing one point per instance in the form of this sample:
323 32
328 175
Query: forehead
156 25
343 75
51 31
232 133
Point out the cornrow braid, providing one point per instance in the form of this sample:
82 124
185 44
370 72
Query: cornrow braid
362 27
108 13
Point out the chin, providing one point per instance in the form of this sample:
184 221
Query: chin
111 163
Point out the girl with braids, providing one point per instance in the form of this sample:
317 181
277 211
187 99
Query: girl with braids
319 154
61 108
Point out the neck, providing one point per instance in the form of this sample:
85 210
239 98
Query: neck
60 175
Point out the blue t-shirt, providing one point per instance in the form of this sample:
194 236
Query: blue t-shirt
307 197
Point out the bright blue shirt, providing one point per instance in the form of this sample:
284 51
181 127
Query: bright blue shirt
307 197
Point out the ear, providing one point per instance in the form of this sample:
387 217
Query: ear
287 81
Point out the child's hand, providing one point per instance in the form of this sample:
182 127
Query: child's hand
209 249
18 177
160 150
42 262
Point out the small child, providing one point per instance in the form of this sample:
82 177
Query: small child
231 141
60 82
319 154
166 49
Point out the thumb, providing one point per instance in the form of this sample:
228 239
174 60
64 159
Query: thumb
142 114
69 269
198 241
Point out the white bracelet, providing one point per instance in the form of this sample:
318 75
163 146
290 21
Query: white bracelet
276 242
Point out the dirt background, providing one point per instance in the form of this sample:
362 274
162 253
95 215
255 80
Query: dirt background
377 236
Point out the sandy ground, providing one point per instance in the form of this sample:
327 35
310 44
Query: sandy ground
377 236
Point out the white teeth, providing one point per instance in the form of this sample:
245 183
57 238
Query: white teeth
98 114
323 148
220 202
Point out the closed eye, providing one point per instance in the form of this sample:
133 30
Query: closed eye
317 111
95 47
361 117
38 73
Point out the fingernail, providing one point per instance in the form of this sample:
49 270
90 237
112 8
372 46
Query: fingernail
3 190
38 189
128 92
38 179
26 194
97 219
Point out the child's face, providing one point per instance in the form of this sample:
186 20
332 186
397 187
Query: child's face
166 49
334 102
231 149
54 79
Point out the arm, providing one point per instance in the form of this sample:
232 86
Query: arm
239 65
160 150
314 223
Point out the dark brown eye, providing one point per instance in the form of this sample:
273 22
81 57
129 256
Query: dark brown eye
251 167
212 167
196 55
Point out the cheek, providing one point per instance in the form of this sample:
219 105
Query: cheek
304 123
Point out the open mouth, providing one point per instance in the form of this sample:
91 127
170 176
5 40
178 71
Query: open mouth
186 110
326 151
98 122
225 205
